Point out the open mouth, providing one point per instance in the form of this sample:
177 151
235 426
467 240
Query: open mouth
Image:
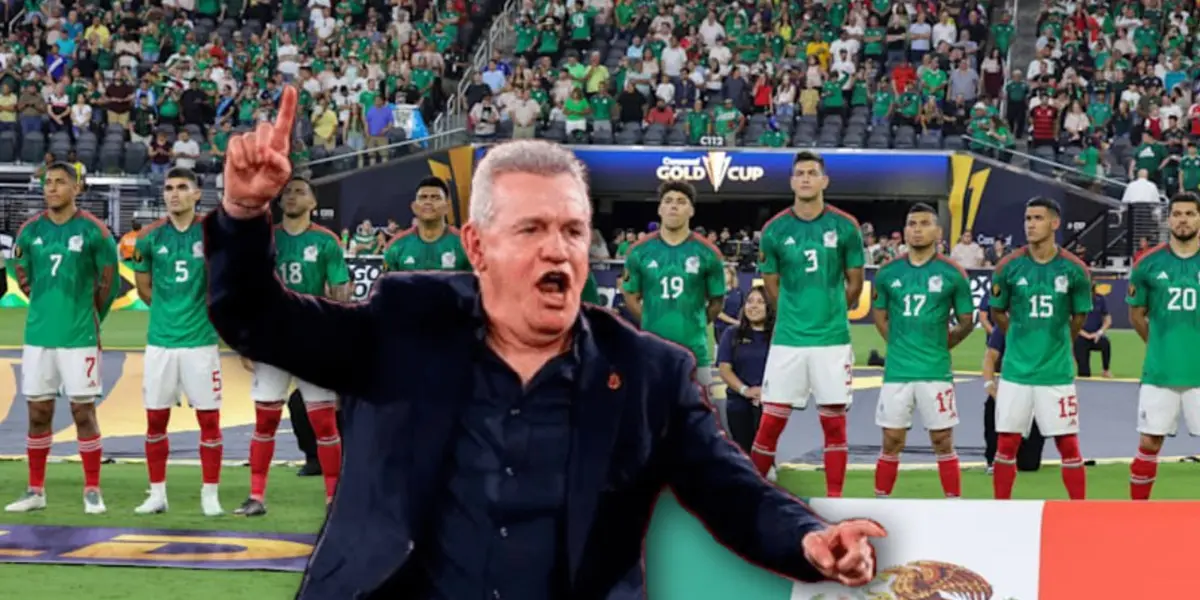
553 282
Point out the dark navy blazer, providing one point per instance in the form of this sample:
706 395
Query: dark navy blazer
402 361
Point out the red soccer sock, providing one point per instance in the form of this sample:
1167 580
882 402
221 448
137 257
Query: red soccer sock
37 449
158 445
1074 475
1004 474
211 447
774 419
1142 473
837 453
91 452
323 416
886 469
262 446
950 475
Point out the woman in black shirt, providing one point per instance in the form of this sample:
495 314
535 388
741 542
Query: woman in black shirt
742 359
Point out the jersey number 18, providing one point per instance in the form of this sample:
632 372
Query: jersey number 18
291 273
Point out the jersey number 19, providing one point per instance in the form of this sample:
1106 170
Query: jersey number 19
672 287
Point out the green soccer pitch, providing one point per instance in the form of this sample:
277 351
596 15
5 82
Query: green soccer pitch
296 506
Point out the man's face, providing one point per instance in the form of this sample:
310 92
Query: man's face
298 200
532 257
675 210
809 180
1040 224
921 230
60 189
180 195
1184 221
430 204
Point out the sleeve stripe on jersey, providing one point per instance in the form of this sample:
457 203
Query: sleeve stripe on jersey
950 261
709 245
777 216
326 231
96 221
403 234
653 236
1087 272
892 259
831 209
1004 261
1147 254
151 227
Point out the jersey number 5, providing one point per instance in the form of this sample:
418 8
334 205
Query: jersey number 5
181 271
672 287
1041 307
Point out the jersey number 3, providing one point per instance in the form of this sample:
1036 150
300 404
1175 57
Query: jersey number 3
811 265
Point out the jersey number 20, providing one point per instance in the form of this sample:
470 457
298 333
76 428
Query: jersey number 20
1181 298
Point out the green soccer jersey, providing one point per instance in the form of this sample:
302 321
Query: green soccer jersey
408 252
174 260
1167 286
63 266
1040 299
308 261
811 259
591 290
676 283
919 301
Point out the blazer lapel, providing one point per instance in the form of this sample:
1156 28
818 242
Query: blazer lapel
596 416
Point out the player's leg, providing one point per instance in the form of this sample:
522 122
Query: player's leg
160 391
1014 416
785 384
200 376
831 370
939 413
268 388
39 385
893 414
321 407
1158 412
989 431
80 369
1056 410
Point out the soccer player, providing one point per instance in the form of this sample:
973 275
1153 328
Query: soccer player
1040 296
674 280
914 298
65 260
182 355
432 245
310 261
811 259
1163 290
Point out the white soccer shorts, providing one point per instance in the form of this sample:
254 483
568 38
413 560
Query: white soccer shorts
934 399
194 372
793 374
75 370
1159 408
272 383
1055 407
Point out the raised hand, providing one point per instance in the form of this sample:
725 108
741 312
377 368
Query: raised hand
257 166
843 553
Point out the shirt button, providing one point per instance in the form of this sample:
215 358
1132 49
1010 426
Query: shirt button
504 532
496 594
509 471
514 412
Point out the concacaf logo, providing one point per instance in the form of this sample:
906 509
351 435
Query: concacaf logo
922 580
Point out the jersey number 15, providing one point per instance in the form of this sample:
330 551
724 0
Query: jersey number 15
1041 306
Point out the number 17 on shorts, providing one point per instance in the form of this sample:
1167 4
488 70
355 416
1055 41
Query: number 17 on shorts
1055 407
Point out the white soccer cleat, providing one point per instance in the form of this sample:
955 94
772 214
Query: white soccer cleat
29 502
210 502
772 475
93 503
153 505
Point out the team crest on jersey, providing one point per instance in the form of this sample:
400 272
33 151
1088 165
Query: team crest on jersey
75 244
310 254
198 250
692 264
447 260
935 284
831 239
1060 284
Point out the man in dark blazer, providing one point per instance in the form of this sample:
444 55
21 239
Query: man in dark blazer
500 441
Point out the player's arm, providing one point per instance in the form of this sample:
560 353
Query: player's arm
331 344
998 303
854 258
714 284
768 267
964 311
1081 300
879 310
143 276
632 285
337 275
106 259
991 356
1139 304
21 262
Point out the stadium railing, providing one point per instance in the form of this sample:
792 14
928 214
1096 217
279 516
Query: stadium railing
500 34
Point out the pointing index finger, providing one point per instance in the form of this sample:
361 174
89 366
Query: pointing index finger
281 130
